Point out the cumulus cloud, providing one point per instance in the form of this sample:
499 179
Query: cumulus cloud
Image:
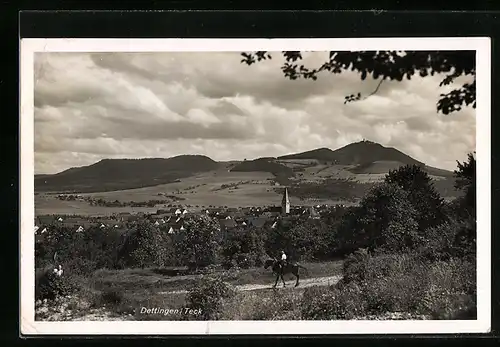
90 106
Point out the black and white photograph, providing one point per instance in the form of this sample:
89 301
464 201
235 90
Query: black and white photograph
246 186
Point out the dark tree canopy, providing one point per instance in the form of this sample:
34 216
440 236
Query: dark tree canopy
389 65
466 181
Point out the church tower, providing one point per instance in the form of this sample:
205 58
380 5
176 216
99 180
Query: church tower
285 203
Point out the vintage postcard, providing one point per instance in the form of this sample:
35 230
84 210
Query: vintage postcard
255 186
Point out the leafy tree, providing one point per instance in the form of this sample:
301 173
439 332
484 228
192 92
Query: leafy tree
385 220
243 243
466 181
422 194
312 240
144 246
197 245
389 65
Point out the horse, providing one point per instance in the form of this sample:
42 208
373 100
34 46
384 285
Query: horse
292 268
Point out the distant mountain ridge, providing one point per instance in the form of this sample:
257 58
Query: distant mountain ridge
357 153
119 174
114 174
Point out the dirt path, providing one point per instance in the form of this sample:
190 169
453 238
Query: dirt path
305 283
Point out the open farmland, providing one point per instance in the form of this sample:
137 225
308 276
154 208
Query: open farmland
218 188
313 183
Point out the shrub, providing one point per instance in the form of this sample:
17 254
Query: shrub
450 239
402 283
48 285
355 266
112 297
269 305
208 295
321 303
402 290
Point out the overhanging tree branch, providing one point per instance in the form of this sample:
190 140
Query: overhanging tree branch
392 65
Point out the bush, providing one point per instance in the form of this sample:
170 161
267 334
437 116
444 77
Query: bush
401 283
402 289
208 296
355 266
322 303
48 285
269 305
112 297
450 239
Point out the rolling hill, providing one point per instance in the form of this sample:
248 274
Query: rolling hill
117 174
357 153
367 157
360 162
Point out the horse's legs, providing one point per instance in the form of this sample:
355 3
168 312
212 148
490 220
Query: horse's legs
276 283
284 285
297 283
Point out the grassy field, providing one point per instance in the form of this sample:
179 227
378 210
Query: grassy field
125 292
224 188
217 188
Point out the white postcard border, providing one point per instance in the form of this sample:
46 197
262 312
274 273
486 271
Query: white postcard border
483 130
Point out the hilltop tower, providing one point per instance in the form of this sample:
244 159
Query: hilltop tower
285 203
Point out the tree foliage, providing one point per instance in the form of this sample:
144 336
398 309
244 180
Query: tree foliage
385 220
388 65
421 194
144 246
197 244
466 181
243 247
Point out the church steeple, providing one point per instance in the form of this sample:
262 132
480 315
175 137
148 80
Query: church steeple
285 203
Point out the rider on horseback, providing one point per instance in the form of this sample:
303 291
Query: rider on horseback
283 259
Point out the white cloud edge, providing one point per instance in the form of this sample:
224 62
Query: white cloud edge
482 45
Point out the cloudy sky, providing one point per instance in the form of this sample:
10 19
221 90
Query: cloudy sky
135 105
